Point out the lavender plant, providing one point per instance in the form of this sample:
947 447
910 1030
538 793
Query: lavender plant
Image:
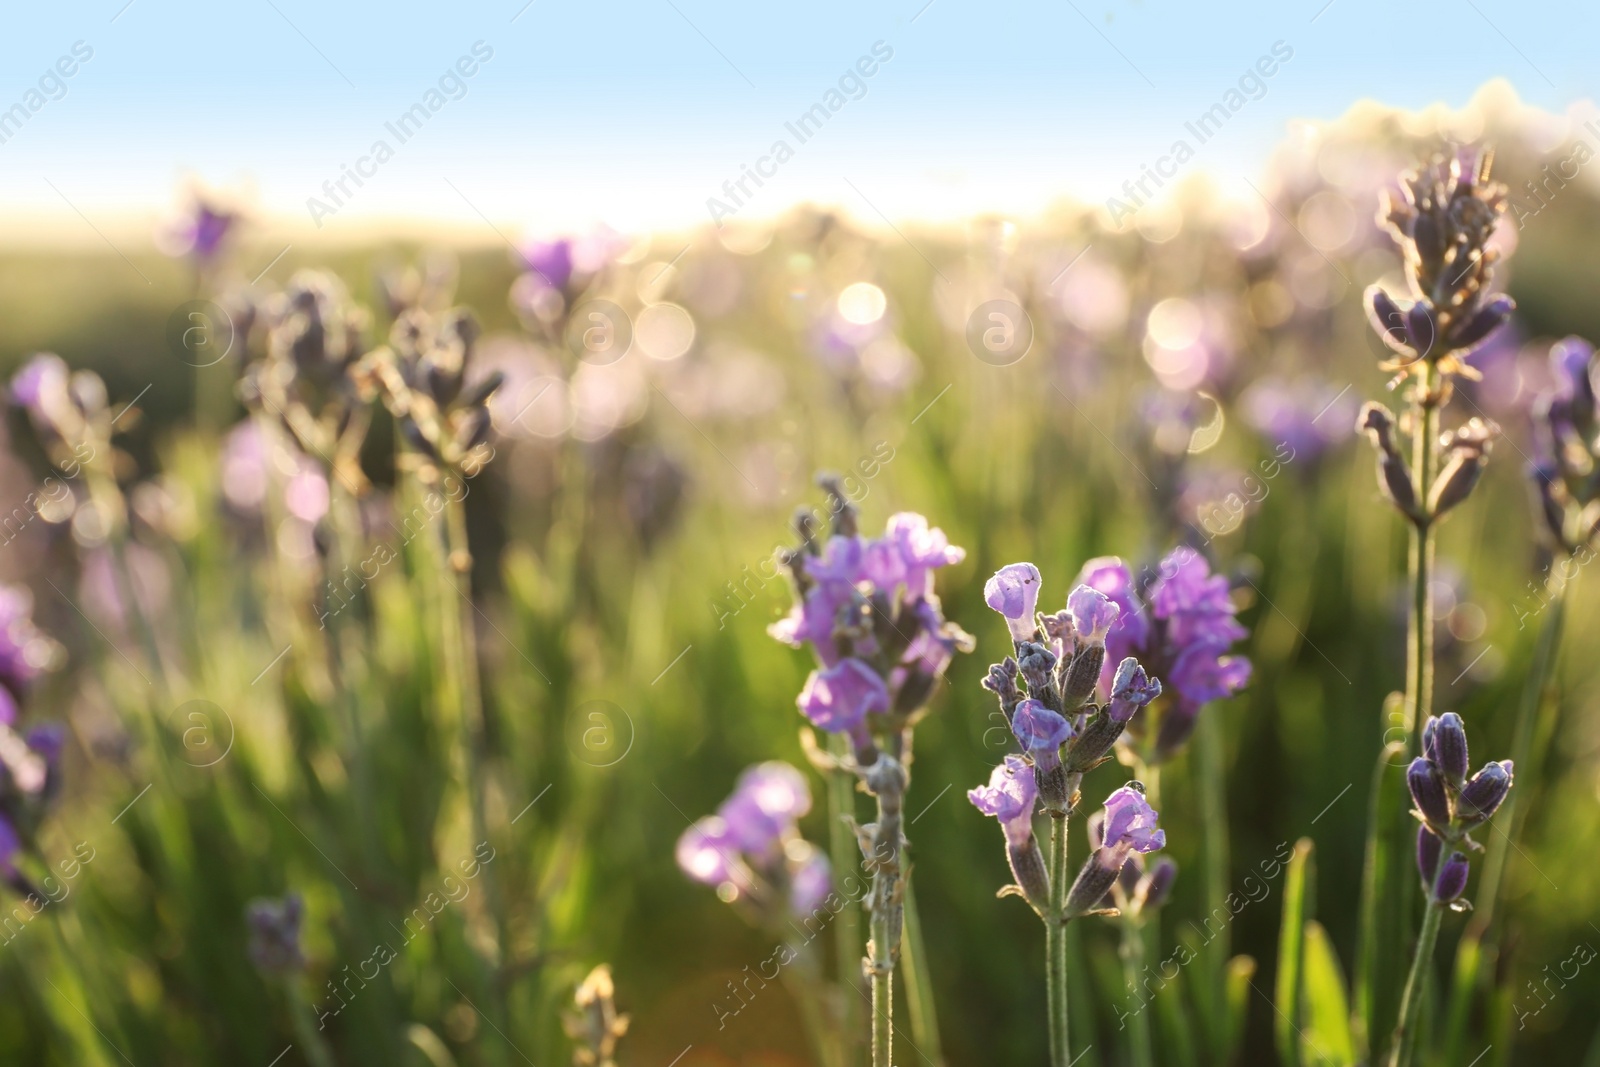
1443 223
1048 695
1449 805
30 759
867 609
752 852
1565 477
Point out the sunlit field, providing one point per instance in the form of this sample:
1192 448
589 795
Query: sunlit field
816 641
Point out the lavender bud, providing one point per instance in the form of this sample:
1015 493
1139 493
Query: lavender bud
1482 796
1488 319
1093 742
1468 449
1394 478
1131 689
1094 881
1427 791
1082 675
1546 477
1428 849
1054 784
1444 740
1036 662
1452 880
1002 682
1386 318
1156 886
1420 330
1027 868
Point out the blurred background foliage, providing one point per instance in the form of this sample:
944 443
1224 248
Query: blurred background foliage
618 540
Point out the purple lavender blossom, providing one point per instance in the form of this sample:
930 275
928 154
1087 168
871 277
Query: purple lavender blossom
1452 880
1093 614
1131 631
810 882
1449 805
10 848
1131 689
839 698
1011 797
1013 591
275 934
852 586
207 229
40 386
708 853
1041 733
1130 826
764 805
1181 630
751 848
923 549
550 260
1307 416
1193 602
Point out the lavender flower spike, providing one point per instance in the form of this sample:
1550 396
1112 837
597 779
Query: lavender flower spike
1129 826
1013 591
1042 732
838 699
1093 614
1011 796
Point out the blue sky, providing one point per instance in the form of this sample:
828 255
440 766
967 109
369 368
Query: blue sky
636 112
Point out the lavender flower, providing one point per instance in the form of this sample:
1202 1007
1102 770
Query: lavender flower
1567 442
1041 733
1307 416
1013 591
1442 221
1012 797
870 602
1449 804
1127 826
275 934
1181 628
751 849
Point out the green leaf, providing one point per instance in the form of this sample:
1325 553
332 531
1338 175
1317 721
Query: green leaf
1327 1038
1241 971
1384 934
1298 905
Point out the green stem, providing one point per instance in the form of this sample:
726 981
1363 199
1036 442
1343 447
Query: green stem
845 853
1055 941
1404 1042
1419 645
888 897
1132 969
919 986
1214 831
882 997
462 651
345 653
